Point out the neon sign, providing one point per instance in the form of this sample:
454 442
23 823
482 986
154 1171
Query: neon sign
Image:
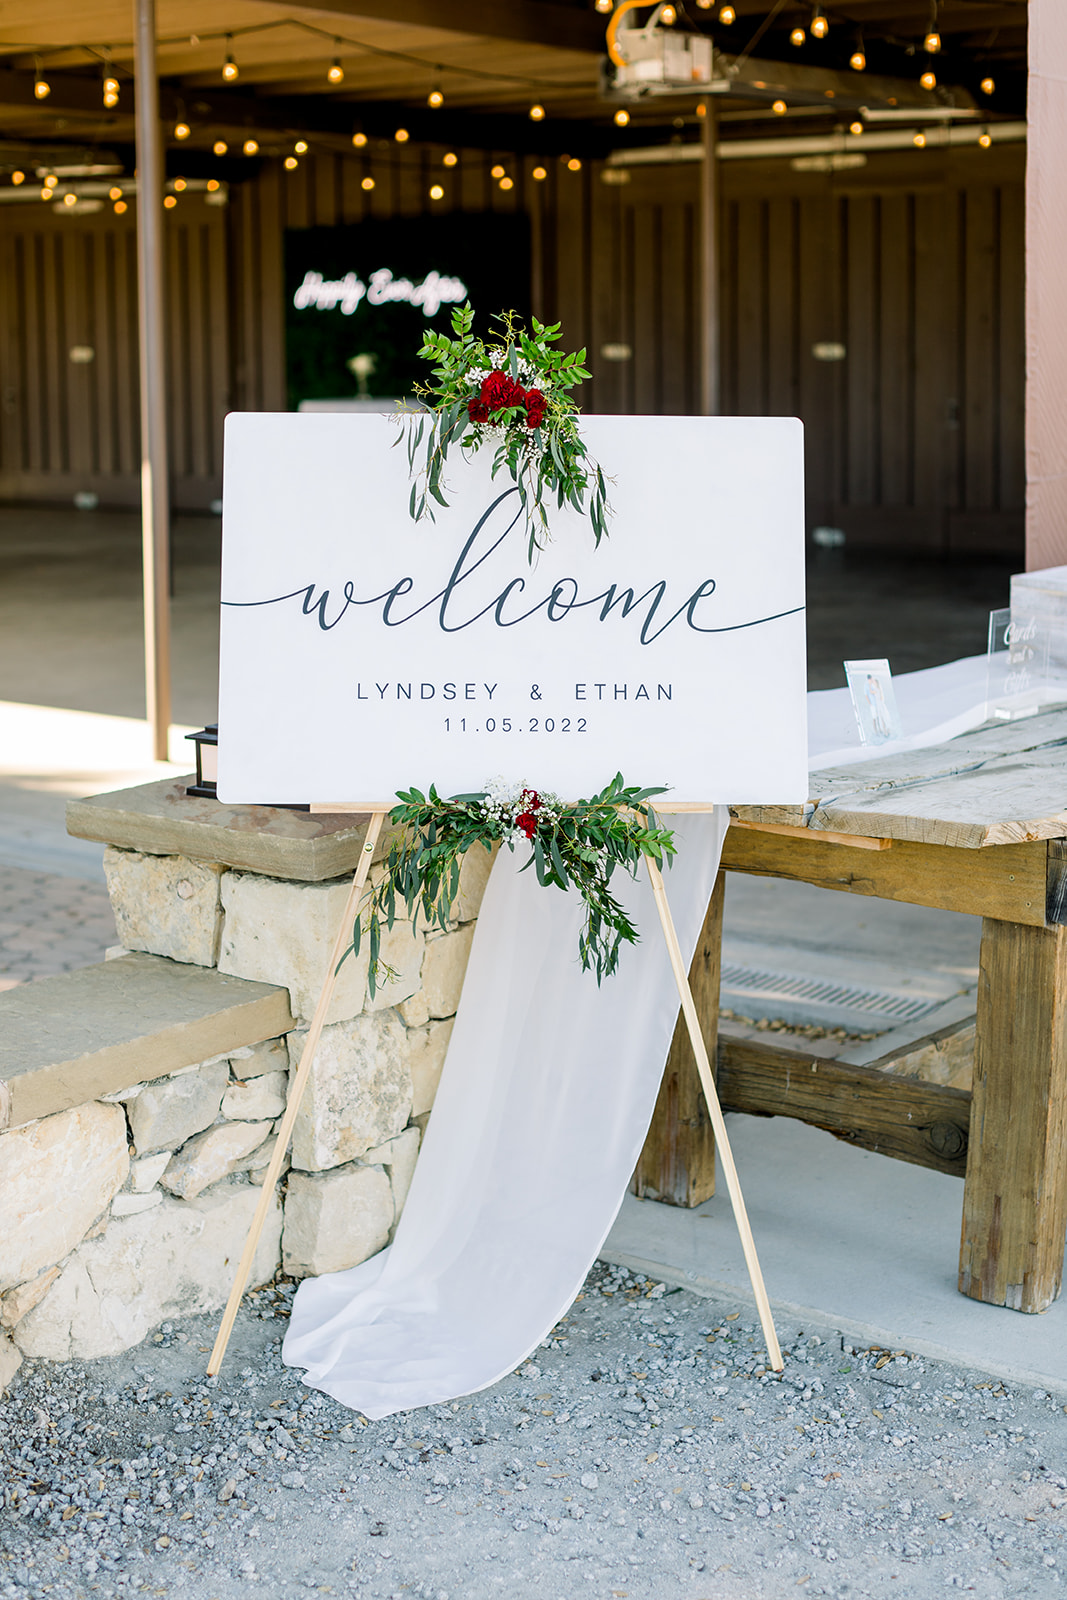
345 294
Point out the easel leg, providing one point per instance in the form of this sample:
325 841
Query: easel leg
722 1142
296 1094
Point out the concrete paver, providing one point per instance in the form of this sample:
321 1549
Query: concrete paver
50 924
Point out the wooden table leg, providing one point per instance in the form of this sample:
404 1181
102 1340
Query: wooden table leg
1015 1197
677 1164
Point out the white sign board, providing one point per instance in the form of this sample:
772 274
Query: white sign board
363 652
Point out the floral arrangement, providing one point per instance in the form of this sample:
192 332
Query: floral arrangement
513 396
579 844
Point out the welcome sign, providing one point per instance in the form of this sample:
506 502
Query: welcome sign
363 652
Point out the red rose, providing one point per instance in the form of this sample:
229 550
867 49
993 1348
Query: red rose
535 408
527 821
499 391
477 410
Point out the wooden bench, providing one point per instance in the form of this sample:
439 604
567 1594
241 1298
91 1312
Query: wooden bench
978 825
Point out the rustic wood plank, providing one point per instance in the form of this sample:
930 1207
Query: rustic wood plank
1007 882
1015 1199
677 1164
851 841
1056 883
925 1124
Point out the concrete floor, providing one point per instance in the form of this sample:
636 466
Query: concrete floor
855 1240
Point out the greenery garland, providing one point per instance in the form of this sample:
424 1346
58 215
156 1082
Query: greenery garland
579 844
511 395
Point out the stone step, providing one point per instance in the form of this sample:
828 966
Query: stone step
72 1038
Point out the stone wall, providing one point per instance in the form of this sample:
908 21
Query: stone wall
133 1208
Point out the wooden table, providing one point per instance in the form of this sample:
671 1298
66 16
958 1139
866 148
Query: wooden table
978 824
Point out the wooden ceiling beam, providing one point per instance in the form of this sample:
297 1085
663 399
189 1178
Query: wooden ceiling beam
524 21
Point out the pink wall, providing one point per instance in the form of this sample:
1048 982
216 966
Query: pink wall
1046 288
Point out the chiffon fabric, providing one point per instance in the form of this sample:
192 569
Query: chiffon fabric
542 1109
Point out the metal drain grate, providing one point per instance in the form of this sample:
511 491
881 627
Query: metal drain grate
783 994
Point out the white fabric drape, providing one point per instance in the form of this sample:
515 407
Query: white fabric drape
540 1116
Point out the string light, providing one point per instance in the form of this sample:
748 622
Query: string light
539 174
668 16
574 165
436 192
507 183
41 87
932 42
537 113
230 70
70 199
987 85
251 147
290 163
213 185
401 136
359 140
929 80
367 182
779 108
435 99
220 147
46 194
169 201
705 5
985 138
182 130
856 128
17 178
609 5
622 117
300 148
111 88
496 172
449 159
336 73
858 60
819 25
115 193
51 181
120 207
727 14
919 141
180 185
797 37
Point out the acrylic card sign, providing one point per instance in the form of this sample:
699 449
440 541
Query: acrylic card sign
362 652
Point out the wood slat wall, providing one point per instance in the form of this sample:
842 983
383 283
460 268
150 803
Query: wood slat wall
913 263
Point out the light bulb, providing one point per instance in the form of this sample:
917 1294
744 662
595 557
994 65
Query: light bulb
401 136
622 117
51 181
705 5
229 66
435 99
220 147
182 130
537 113
608 5
727 14
70 199
932 42
336 73
985 138
797 37
507 183
436 192
46 194
819 25
856 128
111 92
988 85
919 141
120 207
668 16
169 202
779 108
496 172
212 185
367 182
114 194
857 61
359 140
449 159
250 147
180 185
539 174
41 89
290 163
929 80
300 148
574 165
17 178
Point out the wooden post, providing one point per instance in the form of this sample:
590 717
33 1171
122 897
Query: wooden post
296 1093
696 1038
1015 1195
710 397
677 1164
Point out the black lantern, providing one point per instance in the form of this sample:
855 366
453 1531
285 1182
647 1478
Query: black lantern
207 761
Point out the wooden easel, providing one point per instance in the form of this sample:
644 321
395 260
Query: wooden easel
299 1084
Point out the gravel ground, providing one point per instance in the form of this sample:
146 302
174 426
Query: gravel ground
645 1452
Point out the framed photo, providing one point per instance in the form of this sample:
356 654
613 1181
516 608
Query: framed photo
874 701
